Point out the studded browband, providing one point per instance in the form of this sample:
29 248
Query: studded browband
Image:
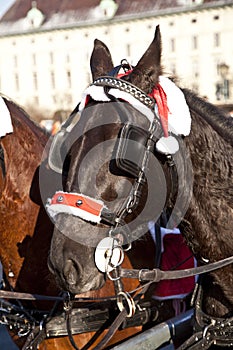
125 86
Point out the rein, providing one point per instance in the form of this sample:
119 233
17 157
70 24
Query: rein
130 313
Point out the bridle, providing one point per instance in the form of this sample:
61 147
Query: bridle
94 210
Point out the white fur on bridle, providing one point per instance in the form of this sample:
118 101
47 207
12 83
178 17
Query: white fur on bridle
179 119
55 207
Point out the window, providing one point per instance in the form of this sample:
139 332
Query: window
128 50
51 57
194 42
69 99
195 69
36 100
216 39
52 76
172 45
34 59
16 82
15 61
35 82
68 75
173 68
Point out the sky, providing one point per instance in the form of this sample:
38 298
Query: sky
4 5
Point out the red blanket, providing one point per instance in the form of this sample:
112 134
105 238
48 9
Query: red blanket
175 256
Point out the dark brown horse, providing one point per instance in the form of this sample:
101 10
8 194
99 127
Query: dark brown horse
198 196
26 230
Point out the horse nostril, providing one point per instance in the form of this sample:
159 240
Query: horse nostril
71 272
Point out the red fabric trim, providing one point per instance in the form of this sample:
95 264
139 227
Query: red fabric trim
87 100
120 75
71 199
161 99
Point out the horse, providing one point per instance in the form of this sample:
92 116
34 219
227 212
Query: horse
26 232
124 166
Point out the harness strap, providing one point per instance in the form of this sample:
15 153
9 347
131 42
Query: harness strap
112 330
196 342
36 336
27 296
157 275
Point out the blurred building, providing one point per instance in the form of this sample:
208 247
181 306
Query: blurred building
45 46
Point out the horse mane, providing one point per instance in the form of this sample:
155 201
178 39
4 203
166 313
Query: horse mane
214 116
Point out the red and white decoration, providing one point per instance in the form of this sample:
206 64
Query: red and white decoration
170 105
76 204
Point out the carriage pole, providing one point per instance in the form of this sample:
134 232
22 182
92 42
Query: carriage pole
153 338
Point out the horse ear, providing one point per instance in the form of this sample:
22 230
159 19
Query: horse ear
146 73
101 60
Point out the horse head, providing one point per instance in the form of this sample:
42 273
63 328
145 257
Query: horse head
117 176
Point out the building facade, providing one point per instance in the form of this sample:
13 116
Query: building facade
45 54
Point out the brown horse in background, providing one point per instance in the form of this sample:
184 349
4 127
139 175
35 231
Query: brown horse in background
26 230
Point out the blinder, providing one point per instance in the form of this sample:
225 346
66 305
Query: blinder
58 148
131 149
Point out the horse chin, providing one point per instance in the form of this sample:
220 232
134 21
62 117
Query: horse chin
76 281
85 287
73 279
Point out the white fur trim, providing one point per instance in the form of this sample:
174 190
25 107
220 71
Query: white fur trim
98 94
134 102
179 119
167 145
164 231
5 124
55 209
175 296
